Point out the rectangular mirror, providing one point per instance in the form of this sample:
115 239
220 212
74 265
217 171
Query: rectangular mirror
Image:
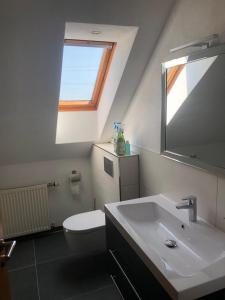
193 110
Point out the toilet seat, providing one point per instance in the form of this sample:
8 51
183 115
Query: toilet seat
85 222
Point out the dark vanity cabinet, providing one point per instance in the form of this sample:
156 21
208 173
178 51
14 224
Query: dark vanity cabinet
130 275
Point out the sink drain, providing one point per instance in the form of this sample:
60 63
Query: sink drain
170 243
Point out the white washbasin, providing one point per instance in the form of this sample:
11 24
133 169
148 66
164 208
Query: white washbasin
198 245
196 267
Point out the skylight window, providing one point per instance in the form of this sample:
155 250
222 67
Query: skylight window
84 70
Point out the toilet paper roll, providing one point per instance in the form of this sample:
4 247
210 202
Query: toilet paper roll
74 181
75 188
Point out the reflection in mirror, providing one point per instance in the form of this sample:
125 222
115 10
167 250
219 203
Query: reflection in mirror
195 110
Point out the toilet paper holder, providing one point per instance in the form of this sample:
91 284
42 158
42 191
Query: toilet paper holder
75 177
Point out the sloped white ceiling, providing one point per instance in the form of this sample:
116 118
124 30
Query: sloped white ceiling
30 59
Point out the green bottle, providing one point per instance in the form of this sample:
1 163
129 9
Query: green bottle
120 144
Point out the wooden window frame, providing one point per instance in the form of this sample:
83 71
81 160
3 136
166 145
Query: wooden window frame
172 76
109 49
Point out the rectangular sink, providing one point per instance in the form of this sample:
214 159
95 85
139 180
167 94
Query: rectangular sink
6 249
194 267
198 245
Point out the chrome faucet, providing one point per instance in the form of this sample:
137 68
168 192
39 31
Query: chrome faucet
189 203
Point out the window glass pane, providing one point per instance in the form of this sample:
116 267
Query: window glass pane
79 72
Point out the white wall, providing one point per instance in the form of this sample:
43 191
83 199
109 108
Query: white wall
76 126
125 37
192 19
61 202
30 59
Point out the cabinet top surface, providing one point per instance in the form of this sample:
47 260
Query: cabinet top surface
108 147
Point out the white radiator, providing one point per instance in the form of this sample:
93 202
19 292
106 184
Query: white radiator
24 210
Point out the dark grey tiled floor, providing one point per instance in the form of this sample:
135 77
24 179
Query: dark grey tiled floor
106 293
23 255
43 268
57 250
24 284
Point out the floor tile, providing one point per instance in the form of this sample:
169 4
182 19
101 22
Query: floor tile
72 276
50 247
23 284
22 256
106 293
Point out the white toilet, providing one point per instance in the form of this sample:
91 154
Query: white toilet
85 232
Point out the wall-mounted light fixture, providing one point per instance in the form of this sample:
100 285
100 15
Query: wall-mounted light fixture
206 42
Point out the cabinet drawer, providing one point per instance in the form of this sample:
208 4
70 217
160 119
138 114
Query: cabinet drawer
121 279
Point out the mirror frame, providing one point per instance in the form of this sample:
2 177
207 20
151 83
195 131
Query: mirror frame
184 159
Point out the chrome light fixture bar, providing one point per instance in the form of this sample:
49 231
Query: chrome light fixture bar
207 42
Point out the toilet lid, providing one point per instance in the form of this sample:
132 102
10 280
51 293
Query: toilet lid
85 221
